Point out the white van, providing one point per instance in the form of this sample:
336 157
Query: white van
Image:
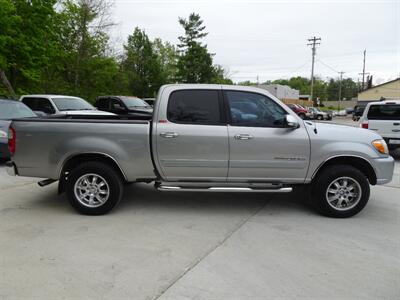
384 118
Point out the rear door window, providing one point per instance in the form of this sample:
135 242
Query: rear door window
195 107
384 112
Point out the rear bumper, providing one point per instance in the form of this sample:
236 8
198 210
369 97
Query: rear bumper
384 168
11 169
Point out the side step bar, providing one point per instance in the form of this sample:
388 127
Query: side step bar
167 188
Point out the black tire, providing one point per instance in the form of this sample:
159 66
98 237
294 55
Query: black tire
319 117
319 195
302 116
114 187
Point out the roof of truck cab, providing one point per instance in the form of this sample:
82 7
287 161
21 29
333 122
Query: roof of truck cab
384 102
232 87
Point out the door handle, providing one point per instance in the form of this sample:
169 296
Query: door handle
243 136
169 134
396 124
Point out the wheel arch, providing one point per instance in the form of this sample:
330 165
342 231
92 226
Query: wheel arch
357 162
73 161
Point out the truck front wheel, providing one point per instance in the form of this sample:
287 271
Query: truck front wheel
340 191
94 188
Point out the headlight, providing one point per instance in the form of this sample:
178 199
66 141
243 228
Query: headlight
380 146
3 134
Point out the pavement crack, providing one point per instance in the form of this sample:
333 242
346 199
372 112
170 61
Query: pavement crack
219 244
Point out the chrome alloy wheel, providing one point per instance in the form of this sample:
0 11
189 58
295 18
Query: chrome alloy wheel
91 190
343 193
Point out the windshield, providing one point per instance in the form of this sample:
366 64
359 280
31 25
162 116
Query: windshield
134 102
13 109
72 103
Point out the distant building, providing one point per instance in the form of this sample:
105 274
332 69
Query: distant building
281 91
389 90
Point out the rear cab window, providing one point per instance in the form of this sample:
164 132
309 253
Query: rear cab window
39 104
384 112
198 107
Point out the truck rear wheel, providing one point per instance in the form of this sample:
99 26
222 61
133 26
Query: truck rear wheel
340 191
94 188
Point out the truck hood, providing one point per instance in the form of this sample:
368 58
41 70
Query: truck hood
337 132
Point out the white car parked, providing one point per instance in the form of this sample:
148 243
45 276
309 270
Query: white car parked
384 118
61 105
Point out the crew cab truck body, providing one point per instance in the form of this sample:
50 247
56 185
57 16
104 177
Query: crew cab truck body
203 138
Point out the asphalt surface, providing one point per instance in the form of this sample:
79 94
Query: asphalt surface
196 246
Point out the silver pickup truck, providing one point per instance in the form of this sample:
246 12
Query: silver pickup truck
203 138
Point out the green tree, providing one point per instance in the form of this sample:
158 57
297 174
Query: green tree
83 67
168 58
195 64
142 65
349 89
26 39
220 76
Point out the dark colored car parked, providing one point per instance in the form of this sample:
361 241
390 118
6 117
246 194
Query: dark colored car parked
10 109
358 112
124 105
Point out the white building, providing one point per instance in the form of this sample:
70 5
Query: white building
281 91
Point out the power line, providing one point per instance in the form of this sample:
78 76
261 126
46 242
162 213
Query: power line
314 42
328 66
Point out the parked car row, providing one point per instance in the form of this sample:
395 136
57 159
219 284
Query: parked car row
311 113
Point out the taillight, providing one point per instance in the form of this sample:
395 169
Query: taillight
11 140
364 125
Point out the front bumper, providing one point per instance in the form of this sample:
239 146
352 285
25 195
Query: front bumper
384 168
11 169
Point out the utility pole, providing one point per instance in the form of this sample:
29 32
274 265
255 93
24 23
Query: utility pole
313 48
340 89
363 72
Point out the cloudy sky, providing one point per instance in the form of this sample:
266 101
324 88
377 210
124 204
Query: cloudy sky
268 39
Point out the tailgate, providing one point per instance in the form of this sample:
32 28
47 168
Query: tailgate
386 128
384 118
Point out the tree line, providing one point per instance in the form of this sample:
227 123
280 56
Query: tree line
325 90
63 47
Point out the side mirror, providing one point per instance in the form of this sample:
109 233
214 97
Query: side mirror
292 122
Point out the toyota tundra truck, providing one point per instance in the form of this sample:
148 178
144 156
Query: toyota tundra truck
203 138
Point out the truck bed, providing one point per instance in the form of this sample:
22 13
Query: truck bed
44 145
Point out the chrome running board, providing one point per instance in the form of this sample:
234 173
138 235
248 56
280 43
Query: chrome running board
168 188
